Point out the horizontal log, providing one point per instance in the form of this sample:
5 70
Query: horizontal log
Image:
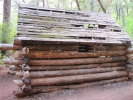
74 79
129 51
11 72
44 89
68 61
110 48
20 93
10 47
76 40
45 74
131 76
130 60
47 47
60 54
51 68
129 55
129 66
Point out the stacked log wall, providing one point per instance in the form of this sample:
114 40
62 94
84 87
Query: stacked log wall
60 49
57 67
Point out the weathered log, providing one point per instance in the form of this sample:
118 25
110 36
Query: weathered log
17 42
110 48
26 80
20 93
74 79
45 74
47 46
129 66
25 67
6 46
11 72
60 54
26 74
25 51
26 88
10 47
14 68
51 68
130 75
130 60
68 61
129 51
129 55
17 46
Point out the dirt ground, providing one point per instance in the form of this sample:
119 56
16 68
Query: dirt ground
116 91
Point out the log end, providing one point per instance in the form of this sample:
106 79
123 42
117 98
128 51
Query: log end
19 93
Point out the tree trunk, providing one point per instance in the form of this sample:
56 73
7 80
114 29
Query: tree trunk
6 22
91 5
101 5
43 1
77 2
37 2
24 1
123 17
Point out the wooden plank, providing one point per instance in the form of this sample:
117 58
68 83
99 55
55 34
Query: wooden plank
67 16
65 30
41 33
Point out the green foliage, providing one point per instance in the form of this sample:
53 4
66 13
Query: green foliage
7 32
129 25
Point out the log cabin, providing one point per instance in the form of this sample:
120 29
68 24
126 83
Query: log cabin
61 49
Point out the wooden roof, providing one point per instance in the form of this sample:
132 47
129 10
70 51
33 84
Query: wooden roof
44 24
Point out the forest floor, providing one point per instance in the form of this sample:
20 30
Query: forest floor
115 91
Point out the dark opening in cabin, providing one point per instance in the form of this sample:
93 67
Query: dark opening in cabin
85 48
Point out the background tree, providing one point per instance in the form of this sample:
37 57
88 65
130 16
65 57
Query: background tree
6 22
78 6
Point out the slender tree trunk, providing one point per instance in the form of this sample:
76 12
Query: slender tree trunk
78 5
43 1
6 21
47 3
123 16
101 5
24 1
37 2
71 4
58 4
117 12
91 5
